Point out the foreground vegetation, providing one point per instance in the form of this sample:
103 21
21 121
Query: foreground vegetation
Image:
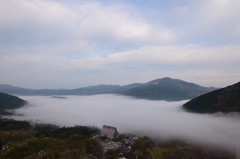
21 140
46 141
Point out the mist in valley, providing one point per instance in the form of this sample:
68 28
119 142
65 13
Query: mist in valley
157 119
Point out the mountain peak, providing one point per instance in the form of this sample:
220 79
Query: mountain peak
157 81
159 89
171 81
167 89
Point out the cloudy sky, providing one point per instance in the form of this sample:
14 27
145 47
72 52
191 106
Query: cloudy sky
75 43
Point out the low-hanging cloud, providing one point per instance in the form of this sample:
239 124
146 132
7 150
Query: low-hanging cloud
158 119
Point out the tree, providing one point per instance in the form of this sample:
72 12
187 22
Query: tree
1 145
112 154
143 143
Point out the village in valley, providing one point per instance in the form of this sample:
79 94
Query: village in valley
21 140
42 141
113 143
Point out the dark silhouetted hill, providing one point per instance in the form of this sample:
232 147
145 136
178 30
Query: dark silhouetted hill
222 100
9 102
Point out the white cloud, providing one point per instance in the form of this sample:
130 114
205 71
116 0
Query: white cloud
157 119
51 21
213 66
16 60
86 36
110 21
209 22
22 13
216 17
177 55
117 22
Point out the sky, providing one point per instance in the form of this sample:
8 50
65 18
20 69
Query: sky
77 43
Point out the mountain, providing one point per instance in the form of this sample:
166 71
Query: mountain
15 90
159 89
167 89
221 100
9 102
99 89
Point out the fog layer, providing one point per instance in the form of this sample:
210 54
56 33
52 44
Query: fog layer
159 119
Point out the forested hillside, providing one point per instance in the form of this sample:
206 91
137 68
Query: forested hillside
222 100
9 102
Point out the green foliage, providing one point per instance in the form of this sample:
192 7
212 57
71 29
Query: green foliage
47 140
15 136
143 143
112 154
51 148
160 152
65 132
44 129
75 142
31 147
92 146
83 130
8 124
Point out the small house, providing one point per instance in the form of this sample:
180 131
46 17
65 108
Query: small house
109 132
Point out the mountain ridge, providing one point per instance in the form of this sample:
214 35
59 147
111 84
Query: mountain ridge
158 89
168 89
222 100
9 102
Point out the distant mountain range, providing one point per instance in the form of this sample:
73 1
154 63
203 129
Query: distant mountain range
9 102
222 100
159 89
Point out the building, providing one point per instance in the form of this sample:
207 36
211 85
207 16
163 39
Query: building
109 132
110 145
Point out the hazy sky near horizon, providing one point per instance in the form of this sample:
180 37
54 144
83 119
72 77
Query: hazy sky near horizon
75 43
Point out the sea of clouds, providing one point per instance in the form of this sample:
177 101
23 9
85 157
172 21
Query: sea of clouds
157 119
